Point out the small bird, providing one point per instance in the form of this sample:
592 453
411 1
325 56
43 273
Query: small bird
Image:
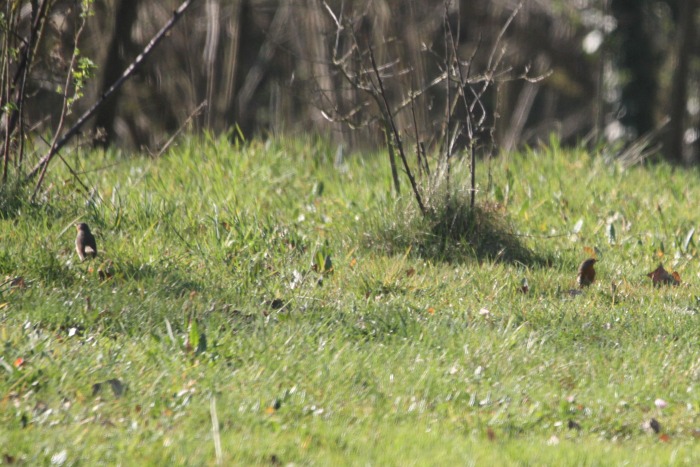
586 273
85 242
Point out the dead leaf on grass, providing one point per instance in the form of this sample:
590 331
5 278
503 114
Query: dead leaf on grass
490 434
661 276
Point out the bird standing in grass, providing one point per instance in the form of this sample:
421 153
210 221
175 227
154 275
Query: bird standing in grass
85 244
586 273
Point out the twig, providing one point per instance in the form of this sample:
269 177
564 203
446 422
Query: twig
448 107
194 113
395 132
419 151
463 82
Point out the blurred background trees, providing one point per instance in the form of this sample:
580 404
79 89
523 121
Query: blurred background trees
615 70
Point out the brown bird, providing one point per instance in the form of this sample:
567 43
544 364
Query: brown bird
85 242
586 273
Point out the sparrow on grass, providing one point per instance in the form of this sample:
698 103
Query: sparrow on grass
85 244
586 273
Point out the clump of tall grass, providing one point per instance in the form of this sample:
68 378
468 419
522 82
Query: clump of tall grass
450 230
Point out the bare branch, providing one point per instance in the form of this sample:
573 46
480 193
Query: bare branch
397 136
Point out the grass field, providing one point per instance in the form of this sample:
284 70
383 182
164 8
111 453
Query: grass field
259 304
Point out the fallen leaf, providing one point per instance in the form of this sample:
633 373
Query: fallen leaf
490 434
664 438
410 272
661 276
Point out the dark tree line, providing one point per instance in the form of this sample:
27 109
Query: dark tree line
615 69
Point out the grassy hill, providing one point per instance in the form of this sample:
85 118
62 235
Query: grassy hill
261 304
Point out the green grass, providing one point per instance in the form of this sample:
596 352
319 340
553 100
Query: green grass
416 349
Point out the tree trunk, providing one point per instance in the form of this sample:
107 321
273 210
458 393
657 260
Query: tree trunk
636 59
679 87
121 51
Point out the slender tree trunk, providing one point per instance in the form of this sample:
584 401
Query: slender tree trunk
225 101
636 59
121 52
679 87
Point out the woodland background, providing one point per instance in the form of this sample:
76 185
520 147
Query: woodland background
617 71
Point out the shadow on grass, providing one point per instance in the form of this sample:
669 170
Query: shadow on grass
12 199
15 203
167 278
454 232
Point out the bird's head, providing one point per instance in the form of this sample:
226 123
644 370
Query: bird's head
82 227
